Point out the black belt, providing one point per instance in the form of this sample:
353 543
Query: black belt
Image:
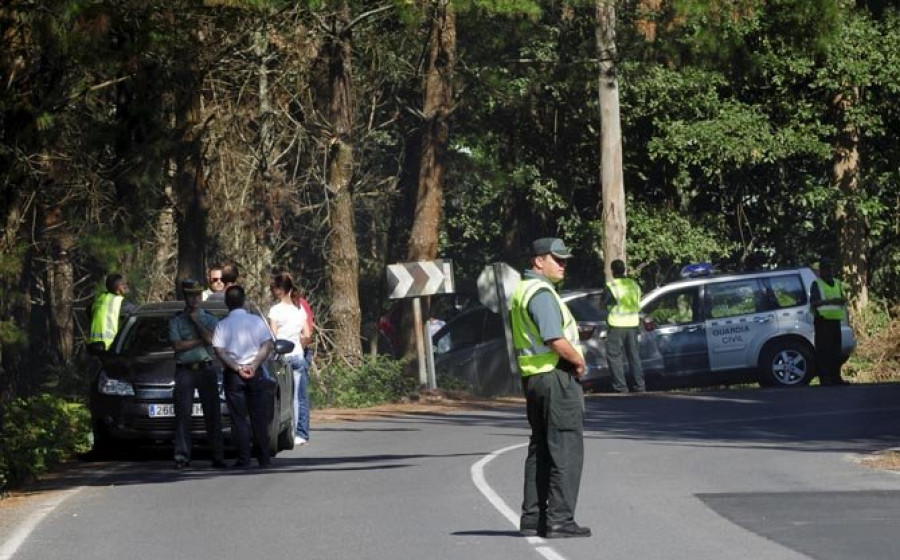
195 365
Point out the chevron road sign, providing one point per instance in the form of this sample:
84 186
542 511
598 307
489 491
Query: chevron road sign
423 278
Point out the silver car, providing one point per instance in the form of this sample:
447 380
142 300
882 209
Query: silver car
737 327
471 347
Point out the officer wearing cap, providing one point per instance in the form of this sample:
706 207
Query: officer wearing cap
191 332
826 302
551 363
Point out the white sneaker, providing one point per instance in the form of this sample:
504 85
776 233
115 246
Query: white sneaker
299 440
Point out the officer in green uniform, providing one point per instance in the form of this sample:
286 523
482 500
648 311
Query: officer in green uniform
191 332
623 299
826 302
551 362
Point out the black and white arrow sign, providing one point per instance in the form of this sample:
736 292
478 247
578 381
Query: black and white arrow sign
423 278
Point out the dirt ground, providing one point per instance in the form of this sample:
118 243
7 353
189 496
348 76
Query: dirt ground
430 403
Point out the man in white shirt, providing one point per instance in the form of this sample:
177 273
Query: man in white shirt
243 342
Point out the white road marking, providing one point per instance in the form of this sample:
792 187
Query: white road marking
480 482
9 547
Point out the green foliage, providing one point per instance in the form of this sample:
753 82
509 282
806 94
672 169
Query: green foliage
38 433
661 241
378 380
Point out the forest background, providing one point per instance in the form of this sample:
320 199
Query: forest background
330 138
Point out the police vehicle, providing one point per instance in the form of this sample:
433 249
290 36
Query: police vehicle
725 328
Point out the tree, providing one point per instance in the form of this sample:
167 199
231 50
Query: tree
612 180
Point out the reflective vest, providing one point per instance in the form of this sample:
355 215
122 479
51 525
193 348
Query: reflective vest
832 312
105 322
628 303
532 354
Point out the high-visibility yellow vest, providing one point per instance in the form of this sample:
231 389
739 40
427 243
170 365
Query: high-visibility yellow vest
105 322
625 313
831 311
532 354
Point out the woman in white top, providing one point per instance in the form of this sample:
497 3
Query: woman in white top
289 322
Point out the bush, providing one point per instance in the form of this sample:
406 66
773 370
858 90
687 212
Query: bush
378 380
877 356
38 433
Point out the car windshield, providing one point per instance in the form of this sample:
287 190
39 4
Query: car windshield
147 335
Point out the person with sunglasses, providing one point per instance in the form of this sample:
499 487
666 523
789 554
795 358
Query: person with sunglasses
215 282
551 363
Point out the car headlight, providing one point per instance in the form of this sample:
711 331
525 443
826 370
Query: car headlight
111 386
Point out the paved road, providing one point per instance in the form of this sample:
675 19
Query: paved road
716 475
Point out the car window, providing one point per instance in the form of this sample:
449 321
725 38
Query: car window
785 291
587 307
730 299
469 329
147 335
674 308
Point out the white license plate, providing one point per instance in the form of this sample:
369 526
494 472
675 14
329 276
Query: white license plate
168 410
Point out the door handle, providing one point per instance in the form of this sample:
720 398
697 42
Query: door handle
765 319
693 328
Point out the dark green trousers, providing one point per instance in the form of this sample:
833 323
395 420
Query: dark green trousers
555 405
622 342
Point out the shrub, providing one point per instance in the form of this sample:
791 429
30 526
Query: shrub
378 380
877 357
38 433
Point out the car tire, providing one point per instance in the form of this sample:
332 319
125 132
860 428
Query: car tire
786 363
274 426
286 435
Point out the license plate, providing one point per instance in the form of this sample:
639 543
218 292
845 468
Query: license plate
168 410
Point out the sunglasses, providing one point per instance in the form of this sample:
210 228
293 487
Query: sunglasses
219 279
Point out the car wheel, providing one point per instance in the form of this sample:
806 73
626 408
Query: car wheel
786 363
274 426
286 436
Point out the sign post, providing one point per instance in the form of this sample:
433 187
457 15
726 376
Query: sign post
416 280
496 285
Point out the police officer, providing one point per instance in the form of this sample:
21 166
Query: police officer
623 299
551 363
107 310
826 302
190 333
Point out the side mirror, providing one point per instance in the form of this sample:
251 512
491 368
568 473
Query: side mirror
283 346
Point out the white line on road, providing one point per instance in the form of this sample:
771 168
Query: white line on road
480 482
9 548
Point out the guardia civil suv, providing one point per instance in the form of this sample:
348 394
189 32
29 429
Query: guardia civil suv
718 329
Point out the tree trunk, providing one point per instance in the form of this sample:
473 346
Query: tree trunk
853 229
160 285
611 178
423 242
61 281
343 257
191 197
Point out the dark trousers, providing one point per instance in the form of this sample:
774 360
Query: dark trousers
205 382
250 404
555 405
828 350
618 338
